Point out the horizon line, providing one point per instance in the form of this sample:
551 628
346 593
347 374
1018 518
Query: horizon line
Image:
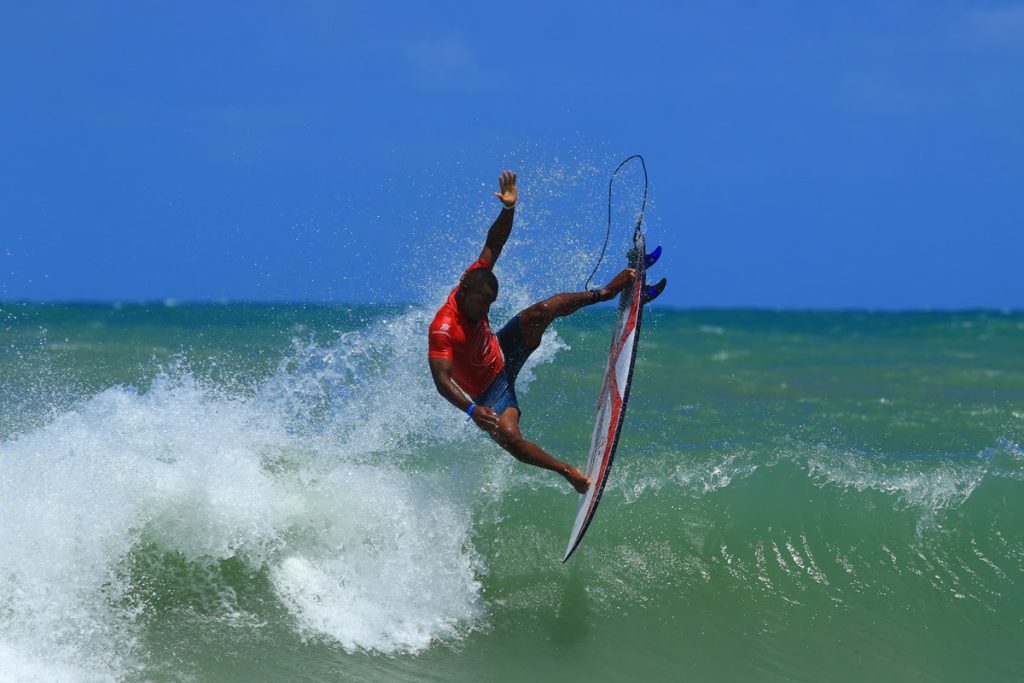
171 302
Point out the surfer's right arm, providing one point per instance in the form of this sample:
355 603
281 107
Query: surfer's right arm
441 369
502 226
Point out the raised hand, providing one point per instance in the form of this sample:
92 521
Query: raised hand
508 194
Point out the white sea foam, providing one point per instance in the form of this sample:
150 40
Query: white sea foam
917 483
696 478
33 666
386 572
301 479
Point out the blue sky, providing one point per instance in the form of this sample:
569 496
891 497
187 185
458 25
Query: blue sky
810 155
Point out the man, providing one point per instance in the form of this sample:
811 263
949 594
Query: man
476 370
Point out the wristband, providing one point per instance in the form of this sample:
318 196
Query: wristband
469 410
507 208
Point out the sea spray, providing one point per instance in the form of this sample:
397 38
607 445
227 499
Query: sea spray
307 477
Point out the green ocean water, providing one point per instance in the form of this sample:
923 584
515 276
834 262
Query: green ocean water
257 492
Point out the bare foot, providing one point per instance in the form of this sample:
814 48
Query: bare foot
579 481
618 283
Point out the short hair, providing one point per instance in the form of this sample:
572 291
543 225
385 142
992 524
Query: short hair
479 278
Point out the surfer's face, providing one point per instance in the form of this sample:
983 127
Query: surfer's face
476 303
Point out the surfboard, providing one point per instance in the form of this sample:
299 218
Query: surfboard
614 396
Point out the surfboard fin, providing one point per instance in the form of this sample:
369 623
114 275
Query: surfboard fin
652 258
651 292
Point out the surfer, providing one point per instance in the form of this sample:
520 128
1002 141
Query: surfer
475 369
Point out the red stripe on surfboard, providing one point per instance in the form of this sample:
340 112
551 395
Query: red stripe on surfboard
609 442
613 393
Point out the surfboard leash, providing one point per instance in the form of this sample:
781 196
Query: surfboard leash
639 218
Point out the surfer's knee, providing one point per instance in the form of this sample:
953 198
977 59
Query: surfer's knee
534 321
506 435
509 438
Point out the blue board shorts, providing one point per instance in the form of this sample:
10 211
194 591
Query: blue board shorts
501 393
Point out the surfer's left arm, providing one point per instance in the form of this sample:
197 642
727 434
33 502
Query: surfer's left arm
502 226
441 370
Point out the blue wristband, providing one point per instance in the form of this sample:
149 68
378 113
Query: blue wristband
469 410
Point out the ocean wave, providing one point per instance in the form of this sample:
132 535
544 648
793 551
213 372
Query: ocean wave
929 484
358 551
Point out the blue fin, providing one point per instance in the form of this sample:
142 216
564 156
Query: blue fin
651 292
653 257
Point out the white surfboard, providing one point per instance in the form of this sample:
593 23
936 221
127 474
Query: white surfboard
611 406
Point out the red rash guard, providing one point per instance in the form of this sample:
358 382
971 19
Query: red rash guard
471 347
